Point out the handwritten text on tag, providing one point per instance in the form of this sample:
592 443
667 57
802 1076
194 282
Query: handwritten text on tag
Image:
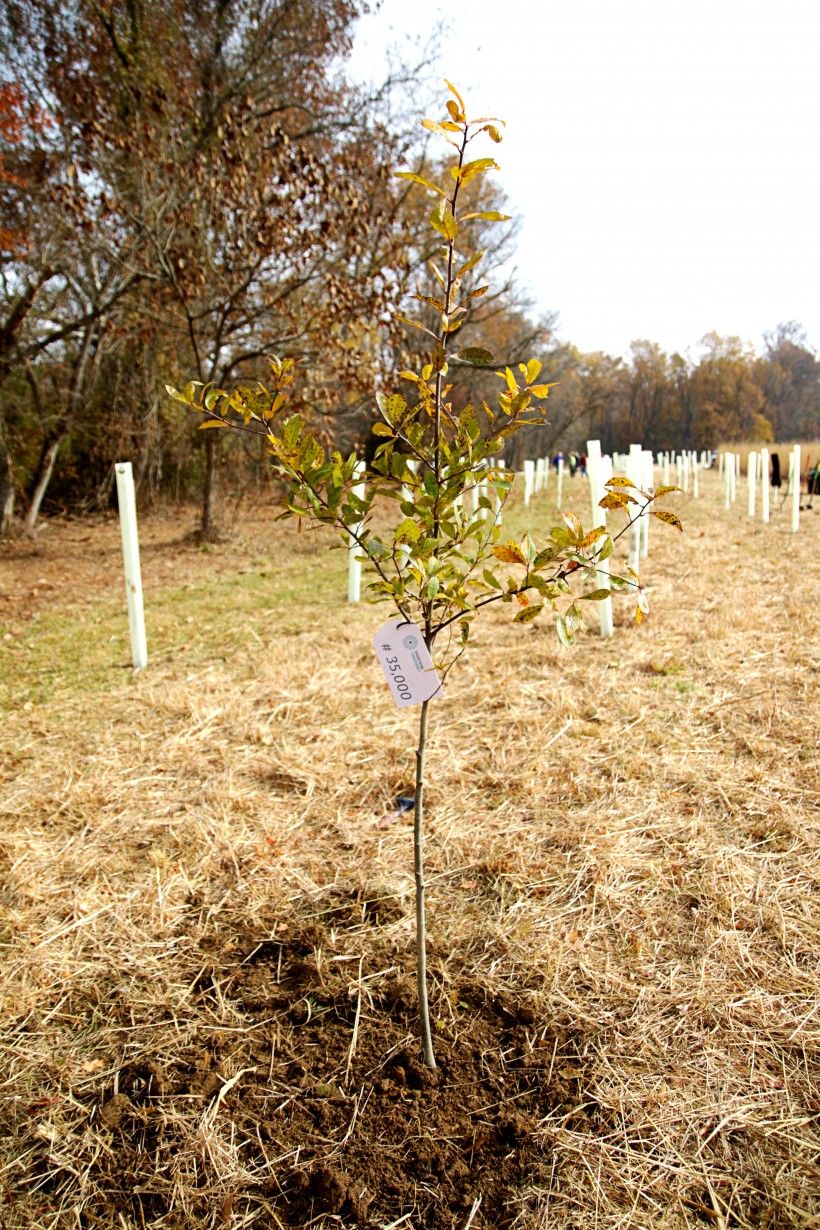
406 662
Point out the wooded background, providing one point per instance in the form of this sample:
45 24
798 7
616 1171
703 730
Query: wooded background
187 188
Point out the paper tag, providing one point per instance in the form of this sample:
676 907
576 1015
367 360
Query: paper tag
406 662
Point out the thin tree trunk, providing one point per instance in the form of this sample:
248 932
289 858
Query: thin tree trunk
208 491
42 477
6 489
57 432
421 921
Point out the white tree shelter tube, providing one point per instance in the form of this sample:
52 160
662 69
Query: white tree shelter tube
131 562
597 479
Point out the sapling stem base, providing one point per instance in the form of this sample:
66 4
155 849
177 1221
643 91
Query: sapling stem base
428 1057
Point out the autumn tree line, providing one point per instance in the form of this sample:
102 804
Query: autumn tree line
186 189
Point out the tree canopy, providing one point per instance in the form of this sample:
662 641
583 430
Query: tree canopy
186 188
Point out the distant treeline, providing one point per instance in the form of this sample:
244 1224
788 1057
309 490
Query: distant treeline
187 188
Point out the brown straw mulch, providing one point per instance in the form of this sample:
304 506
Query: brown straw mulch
206 911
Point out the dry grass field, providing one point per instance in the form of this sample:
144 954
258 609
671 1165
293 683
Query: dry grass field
206 914
809 453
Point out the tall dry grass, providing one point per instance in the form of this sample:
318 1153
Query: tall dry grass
625 838
809 452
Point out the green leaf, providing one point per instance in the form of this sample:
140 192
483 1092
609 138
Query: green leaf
605 551
433 586
476 356
529 613
543 558
597 595
491 580
407 531
292 429
563 632
572 618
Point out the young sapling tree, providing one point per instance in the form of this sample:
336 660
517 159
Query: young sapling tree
441 562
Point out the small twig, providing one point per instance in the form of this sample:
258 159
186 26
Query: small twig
211 1112
473 1211
352 1051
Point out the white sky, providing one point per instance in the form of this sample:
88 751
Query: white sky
663 156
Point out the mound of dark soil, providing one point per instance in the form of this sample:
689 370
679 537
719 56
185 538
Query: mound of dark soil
335 1113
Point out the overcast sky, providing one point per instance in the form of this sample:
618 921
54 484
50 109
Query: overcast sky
663 156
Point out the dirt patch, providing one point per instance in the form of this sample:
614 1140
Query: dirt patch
336 1113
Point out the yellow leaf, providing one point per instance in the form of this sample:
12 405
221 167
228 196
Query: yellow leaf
592 537
488 215
668 517
619 482
442 220
436 303
212 423
573 525
392 406
454 91
493 133
510 553
418 179
469 264
471 169
616 499
441 128
542 390
533 369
